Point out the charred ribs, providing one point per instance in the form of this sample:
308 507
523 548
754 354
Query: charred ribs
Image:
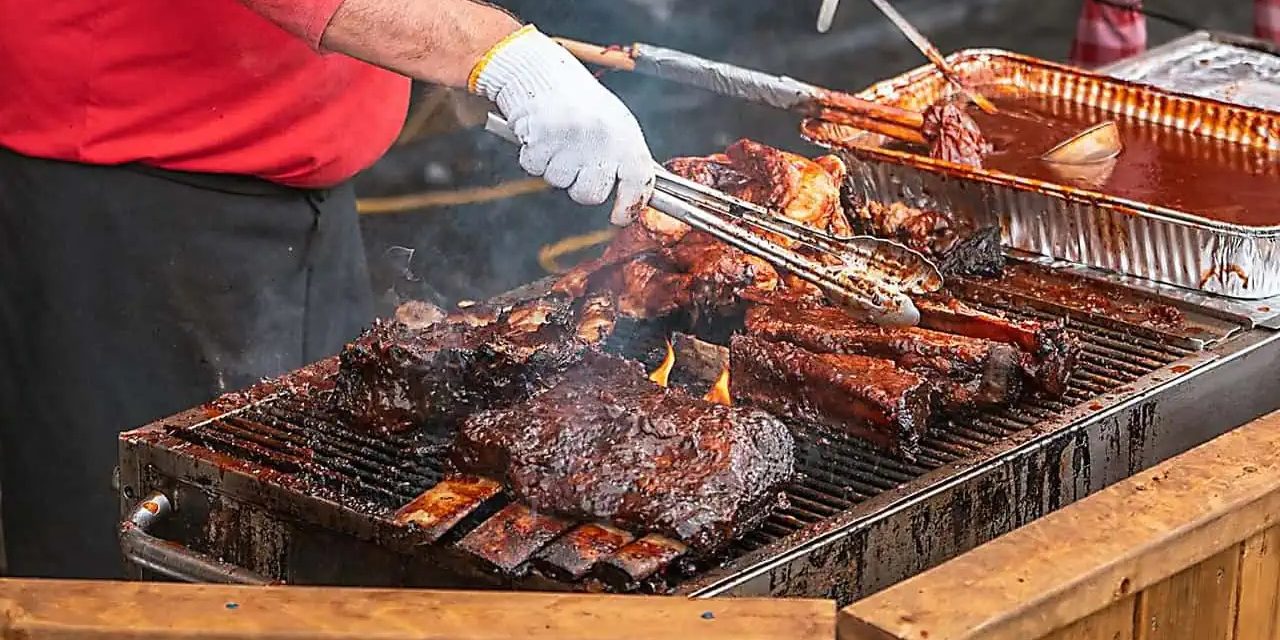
956 245
967 373
606 444
870 398
395 377
1049 353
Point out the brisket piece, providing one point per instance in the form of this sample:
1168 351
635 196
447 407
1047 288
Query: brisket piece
870 398
1049 352
606 444
394 378
967 373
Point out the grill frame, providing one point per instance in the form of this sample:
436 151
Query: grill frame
261 520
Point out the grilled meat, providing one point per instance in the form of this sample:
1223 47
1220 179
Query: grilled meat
956 245
1049 352
597 319
417 314
868 397
953 135
967 373
658 265
718 273
394 378
803 190
715 171
607 444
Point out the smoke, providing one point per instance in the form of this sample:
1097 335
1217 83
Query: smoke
443 255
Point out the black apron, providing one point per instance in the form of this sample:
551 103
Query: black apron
128 294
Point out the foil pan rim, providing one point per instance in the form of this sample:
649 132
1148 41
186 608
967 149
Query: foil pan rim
878 91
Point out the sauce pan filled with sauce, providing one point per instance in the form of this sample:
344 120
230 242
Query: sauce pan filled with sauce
1195 189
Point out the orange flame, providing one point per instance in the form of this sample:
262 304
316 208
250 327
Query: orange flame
719 392
663 372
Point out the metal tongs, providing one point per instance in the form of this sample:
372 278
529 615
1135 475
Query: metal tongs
869 277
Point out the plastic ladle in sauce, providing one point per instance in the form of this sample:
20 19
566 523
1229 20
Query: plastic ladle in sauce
1094 145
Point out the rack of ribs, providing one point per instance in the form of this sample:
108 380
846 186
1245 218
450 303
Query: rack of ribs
967 373
870 398
1049 352
605 444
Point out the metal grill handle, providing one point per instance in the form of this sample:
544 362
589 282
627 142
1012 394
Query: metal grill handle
171 559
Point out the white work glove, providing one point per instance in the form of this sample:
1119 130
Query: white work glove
573 131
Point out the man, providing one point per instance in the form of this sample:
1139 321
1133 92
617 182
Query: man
1112 30
173 216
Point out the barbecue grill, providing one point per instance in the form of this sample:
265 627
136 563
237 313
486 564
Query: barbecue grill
267 485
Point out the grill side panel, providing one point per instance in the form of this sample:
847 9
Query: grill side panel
902 532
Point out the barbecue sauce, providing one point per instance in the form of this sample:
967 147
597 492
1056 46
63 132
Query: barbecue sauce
1210 178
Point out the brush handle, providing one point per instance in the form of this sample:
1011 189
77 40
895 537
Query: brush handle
608 57
736 82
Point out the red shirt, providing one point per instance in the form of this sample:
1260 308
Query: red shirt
193 85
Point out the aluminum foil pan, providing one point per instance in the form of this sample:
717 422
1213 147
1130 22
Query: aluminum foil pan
1210 66
1066 222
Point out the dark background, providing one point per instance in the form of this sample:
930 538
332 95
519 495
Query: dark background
446 254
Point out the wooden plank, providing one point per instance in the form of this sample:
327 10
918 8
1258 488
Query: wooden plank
1113 623
1086 557
1198 603
1258 616
93 610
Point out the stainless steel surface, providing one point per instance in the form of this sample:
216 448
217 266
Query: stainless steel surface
826 14
1072 223
169 559
1209 66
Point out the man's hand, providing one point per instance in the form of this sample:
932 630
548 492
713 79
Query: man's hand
574 132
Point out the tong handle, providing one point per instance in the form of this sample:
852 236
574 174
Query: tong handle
498 126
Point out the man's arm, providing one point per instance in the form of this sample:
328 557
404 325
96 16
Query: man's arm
573 131
436 41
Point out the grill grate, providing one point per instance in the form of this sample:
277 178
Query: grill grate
378 475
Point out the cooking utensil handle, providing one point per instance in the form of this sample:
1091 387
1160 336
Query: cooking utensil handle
171 559
931 52
723 78
609 57
496 125
734 81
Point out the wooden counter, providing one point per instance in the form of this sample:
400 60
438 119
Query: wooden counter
58 610
1189 549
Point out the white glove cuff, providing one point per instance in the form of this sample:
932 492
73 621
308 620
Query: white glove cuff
524 66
